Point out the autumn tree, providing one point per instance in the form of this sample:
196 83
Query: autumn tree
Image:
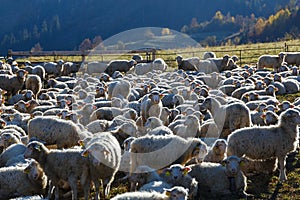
86 44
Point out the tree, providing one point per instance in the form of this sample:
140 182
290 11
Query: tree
44 27
96 41
36 48
86 44
194 23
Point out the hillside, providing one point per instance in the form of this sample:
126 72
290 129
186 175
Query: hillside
64 24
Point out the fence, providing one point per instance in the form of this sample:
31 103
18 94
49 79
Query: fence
247 55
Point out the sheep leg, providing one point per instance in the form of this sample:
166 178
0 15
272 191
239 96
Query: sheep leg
73 184
97 188
282 171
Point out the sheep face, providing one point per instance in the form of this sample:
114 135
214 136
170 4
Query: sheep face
33 150
220 146
206 105
232 164
176 172
291 115
155 97
98 154
177 193
34 170
21 73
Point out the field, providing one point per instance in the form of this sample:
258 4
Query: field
261 186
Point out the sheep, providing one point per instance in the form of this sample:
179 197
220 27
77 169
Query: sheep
154 151
52 68
118 88
270 118
178 175
175 193
109 113
209 54
188 64
217 152
206 66
119 65
291 86
268 141
220 63
11 152
227 117
189 128
269 61
98 126
159 64
104 153
291 58
75 166
151 105
21 181
96 67
69 67
33 83
13 83
157 186
53 83
143 68
25 95
54 131
215 179
40 71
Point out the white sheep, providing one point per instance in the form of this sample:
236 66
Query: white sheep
104 153
54 131
161 151
227 117
11 152
268 141
269 61
21 181
67 165
96 67
189 128
118 88
175 193
33 83
13 83
215 179
40 71
291 58
159 64
151 105
52 68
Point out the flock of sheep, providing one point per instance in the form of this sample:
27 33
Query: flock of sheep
195 132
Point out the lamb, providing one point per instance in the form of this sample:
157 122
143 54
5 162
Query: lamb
151 105
104 153
21 181
227 117
220 179
268 141
13 83
188 64
154 151
96 67
217 153
75 166
33 83
209 54
54 131
175 193
119 65
159 64
269 61
291 58
118 88
25 95
253 167
143 68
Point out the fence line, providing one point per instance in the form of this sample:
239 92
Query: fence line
246 55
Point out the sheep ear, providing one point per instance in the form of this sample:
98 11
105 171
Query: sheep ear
80 142
161 96
263 116
85 153
186 170
167 192
167 172
26 170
